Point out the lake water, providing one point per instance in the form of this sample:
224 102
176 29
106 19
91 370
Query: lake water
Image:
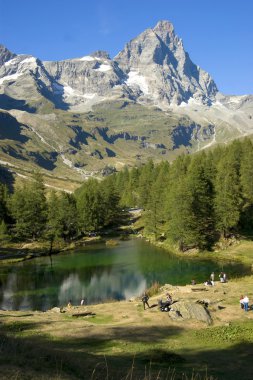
100 273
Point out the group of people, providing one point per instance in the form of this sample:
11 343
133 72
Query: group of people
163 304
222 277
82 303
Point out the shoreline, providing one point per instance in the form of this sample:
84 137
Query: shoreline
241 251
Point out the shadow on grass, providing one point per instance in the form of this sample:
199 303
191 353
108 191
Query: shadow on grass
121 353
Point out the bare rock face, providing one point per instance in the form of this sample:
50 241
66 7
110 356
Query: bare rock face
5 55
157 63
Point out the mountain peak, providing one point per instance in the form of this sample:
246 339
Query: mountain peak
164 25
100 54
5 54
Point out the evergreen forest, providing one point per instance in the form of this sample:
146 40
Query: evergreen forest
193 202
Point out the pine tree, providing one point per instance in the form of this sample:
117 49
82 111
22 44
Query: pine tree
62 220
4 233
90 206
4 198
200 185
246 175
147 176
181 220
155 216
110 201
228 198
28 208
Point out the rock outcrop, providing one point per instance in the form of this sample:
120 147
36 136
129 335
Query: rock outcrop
190 310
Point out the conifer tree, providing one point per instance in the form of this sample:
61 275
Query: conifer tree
28 208
200 186
147 176
228 199
155 215
4 198
246 176
90 206
110 199
181 225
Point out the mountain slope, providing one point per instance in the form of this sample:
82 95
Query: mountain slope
89 115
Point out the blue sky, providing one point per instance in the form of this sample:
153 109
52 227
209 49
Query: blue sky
218 35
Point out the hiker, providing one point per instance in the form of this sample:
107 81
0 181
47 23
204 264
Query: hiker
209 283
82 303
193 282
212 277
145 299
221 276
224 277
69 304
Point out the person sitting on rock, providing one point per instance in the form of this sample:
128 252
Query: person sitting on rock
168 299
246 303
208 283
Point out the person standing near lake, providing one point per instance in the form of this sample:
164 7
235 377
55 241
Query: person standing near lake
212 278
145 299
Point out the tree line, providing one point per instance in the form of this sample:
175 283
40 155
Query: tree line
32 212
196 200
192 202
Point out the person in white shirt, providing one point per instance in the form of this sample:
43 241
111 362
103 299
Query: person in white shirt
245 301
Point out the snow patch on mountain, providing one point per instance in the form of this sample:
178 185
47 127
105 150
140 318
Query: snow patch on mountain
10 77
136 79
104 68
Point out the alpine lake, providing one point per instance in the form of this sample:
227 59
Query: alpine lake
99 273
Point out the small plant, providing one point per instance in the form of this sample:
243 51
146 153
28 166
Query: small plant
154 289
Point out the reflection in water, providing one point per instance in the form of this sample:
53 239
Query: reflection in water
108 286
99 273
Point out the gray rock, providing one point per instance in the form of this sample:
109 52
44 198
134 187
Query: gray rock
190 310
157 62
5 55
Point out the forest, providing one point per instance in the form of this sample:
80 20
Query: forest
192 202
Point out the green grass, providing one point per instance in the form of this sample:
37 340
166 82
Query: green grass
181 353
102 319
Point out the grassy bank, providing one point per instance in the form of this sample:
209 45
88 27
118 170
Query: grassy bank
122 341
17 252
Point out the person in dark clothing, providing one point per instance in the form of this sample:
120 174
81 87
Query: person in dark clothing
145 299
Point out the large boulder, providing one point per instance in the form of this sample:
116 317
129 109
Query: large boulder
189 310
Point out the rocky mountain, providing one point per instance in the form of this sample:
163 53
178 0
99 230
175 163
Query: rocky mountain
76 117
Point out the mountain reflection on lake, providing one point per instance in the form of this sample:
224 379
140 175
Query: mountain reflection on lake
99 273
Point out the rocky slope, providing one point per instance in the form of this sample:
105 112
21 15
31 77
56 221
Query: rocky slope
77 116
